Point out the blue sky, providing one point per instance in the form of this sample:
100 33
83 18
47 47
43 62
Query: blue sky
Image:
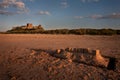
56 14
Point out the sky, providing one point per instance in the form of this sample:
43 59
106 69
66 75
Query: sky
57 14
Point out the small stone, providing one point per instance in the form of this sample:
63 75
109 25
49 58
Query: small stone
58 51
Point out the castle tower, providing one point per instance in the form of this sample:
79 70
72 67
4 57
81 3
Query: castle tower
29 26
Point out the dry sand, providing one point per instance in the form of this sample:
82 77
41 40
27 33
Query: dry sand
28 57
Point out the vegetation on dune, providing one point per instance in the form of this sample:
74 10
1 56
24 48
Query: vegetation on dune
19 30
29 29
67 31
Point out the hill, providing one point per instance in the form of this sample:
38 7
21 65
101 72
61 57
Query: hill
30 29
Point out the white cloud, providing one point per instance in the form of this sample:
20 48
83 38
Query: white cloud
64 4
32 0
18 4
89 1
97 16
96 0
44 13
78 17
108 16
111 16
4 12
4 4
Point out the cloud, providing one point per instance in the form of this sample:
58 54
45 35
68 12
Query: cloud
64 4
92 17
78 17
32 0
3 12
4 4
43 13
109 16
9 3
18 4
96 16
90 1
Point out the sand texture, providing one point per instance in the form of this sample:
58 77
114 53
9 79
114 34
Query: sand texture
58 57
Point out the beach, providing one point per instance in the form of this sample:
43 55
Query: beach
28 57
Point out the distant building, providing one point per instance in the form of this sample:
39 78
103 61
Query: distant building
29 26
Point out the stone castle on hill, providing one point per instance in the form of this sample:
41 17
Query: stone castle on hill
28 26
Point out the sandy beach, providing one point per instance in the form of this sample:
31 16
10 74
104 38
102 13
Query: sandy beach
18 59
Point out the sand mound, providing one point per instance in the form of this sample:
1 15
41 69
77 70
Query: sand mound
60 64
80 55
84 55
101 60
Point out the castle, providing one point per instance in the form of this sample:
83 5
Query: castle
28 26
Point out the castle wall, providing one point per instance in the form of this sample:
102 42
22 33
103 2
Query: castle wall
29 26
